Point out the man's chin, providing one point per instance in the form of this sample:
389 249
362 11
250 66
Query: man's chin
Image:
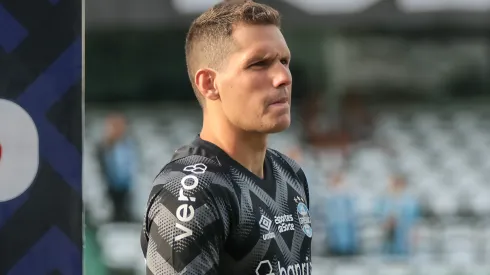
279 126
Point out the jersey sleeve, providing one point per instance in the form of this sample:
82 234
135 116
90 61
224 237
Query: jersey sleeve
185 225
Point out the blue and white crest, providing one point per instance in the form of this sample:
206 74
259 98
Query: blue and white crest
303 216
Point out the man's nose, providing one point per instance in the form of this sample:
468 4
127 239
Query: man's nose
281 75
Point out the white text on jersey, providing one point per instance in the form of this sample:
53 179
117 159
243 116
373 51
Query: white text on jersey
185 212
296 269
284 223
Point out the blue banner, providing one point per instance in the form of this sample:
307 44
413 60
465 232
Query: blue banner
40 137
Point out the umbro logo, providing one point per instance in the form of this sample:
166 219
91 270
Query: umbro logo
265 222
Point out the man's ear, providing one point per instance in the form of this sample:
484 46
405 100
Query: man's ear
205 83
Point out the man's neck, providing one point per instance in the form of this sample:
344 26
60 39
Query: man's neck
248 149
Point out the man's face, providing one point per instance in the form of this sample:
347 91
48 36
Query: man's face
337 180
115 127
254 84
398 184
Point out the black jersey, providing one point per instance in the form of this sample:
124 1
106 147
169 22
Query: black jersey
207 214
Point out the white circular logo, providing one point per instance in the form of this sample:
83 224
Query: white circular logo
19 150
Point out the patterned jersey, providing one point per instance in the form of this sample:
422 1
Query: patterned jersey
209 215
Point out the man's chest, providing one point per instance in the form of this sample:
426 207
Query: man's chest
271 228
273 215
281 219
272 234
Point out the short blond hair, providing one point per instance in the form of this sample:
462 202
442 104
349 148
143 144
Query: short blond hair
208 41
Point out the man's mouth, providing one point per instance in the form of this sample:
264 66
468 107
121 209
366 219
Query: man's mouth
280 101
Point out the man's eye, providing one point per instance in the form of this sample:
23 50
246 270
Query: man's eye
260 64
285 61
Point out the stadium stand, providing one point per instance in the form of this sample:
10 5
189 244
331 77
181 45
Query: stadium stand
442 151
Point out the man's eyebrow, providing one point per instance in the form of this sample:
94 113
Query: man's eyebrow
259 55
265 55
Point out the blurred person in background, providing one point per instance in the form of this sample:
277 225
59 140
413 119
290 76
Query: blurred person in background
118 160
356 119
341 218
399 212
321 129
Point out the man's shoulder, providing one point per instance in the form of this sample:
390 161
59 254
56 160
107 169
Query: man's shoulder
285 159
188 168
188 186
194 179
192 159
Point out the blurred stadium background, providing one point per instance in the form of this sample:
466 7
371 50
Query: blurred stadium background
382 89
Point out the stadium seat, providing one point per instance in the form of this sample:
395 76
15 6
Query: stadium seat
425 242
459 244
435 269
371 237
480 201
120 245
394 269
351 269
444 203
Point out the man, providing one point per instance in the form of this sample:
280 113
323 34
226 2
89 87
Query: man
118 161
341 218
226 204
399 212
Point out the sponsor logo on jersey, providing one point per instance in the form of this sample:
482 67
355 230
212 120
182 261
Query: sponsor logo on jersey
303 216
265 268
199 168
284 222
266 223
185 211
